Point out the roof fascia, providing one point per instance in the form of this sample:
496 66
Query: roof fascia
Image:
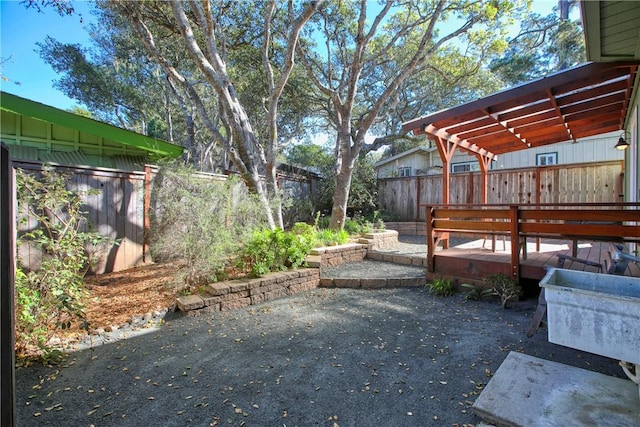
535 86
400 155
18 105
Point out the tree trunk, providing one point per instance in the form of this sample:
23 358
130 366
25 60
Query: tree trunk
345 162
341 197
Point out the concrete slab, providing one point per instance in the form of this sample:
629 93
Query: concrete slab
528 391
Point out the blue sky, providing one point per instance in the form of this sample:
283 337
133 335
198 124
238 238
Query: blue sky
21 29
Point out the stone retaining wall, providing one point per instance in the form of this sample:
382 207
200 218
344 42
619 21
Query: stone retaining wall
398 258
233 294
373 283
380 239
240 293
409 228
331 256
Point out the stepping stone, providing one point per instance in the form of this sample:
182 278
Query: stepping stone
528 391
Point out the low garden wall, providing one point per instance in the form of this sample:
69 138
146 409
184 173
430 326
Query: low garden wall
410 228
233 294
331 256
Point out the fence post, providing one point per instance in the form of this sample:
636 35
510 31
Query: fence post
418 190
146 219
7 331
515 242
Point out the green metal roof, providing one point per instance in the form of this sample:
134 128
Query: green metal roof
25 107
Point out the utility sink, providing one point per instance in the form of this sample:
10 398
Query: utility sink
597 313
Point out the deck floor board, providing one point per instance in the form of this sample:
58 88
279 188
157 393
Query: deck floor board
474 255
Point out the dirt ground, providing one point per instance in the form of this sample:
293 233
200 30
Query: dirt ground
325 357
115 298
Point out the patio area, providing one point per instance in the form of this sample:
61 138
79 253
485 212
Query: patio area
327 357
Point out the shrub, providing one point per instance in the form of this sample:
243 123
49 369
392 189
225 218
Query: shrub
441 287
51 296
503 286
277 250
201 222
476 293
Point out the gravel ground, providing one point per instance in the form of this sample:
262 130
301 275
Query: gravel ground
327 357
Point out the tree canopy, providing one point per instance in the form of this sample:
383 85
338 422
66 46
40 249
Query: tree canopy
544 44
239 85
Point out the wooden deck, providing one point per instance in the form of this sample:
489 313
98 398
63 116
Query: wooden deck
472 261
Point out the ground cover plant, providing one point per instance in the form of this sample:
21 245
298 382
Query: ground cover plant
52 295
477 293
441 286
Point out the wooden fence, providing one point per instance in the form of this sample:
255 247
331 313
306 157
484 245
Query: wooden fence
600 182
116 211
119 210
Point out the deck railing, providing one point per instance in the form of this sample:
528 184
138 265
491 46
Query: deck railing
615 222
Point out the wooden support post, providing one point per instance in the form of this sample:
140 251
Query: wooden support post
446 150
146 209
515 242
430 241
7 274
484 169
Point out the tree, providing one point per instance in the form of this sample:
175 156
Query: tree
369 52
545 44
451 79
205 31
63 7
114 78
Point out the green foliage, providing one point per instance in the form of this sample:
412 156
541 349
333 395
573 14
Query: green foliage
52 295
476 293
277 250
330 237
503 286
200 221
441 287
545 44
321 222
359 224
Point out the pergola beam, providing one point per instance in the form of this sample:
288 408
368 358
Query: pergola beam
552 99
439 133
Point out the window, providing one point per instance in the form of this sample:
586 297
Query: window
404 171
465 167
546 159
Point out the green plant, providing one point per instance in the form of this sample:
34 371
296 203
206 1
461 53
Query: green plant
378 221
200 222
353 226
441 287
477 293
328 236
276 250
321 222
51 295
506 288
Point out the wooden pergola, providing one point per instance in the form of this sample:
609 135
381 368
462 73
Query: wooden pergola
587 100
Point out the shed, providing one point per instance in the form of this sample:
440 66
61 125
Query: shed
99 156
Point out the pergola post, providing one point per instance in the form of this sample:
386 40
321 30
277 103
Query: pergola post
484 169
446 150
